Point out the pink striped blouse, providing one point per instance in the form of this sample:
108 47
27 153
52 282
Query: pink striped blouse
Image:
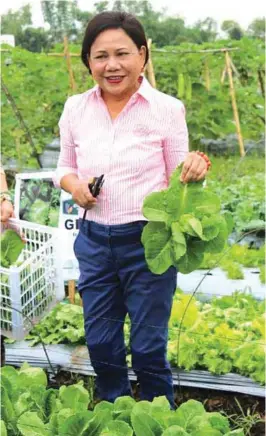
136 152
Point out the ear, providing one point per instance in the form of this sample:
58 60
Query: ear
143 51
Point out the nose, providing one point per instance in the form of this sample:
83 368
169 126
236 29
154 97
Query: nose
112 63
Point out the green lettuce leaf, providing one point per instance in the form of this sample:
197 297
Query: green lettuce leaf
11 247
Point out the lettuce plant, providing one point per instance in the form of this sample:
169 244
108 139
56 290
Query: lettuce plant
31 408
185 221
11 247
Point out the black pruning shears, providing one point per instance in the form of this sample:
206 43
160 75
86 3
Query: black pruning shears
96 185
95 188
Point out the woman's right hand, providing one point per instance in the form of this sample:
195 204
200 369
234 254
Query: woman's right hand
82 196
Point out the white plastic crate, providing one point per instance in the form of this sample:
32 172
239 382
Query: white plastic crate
34 286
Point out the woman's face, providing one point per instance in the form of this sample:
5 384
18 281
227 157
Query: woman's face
116 63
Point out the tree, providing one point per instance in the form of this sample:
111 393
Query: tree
233 29
35 40
61 17
101 6
256 29
13 22
203 31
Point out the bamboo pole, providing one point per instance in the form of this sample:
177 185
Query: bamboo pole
223 75
261 80
69 67
160 50
234 104
149 67
71 291
207 76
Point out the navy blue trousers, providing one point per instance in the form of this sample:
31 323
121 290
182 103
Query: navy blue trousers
115 280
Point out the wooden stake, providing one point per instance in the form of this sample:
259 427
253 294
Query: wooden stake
261 80
223 75
207 76
234 104
69 67
71 291
149 67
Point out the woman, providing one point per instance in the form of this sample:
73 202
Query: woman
136 136
7 210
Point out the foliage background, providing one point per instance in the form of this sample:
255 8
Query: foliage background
39 84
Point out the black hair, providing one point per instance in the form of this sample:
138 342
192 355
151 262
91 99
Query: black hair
113 20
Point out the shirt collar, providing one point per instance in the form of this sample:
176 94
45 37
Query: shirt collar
145 89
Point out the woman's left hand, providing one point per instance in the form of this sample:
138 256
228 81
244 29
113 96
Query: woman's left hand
194 168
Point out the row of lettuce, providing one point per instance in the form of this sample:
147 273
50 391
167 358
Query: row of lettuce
224 335
30 408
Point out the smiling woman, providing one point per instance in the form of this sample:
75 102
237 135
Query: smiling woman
135 136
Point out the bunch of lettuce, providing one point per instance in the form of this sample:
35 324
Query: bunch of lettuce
185 221
30 408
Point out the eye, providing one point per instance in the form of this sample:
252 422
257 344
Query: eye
122 54
101 57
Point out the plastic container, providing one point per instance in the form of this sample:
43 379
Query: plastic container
35 284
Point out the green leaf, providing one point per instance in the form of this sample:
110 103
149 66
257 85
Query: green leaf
29 376
117 428
190 225
206 432
11 247
217 244
7 409
29 424
175 430
74 397
210 227
187 411
179 245
123 404
193 257
49 402
154 207
3 430
77 424
104 405
157 240
144 424
124 416
229 220
140 407
98 423
218 421
160 404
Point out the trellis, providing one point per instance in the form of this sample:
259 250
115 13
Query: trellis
149 72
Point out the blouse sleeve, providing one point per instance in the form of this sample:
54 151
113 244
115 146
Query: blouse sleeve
67 161
175 146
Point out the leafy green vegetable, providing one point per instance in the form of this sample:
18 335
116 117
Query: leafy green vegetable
216 336
11 247
117 428
34 410
29 424
185 221
3 431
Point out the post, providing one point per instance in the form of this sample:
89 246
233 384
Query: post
234 104
223 75
149 67
207 76
71 291
69 67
